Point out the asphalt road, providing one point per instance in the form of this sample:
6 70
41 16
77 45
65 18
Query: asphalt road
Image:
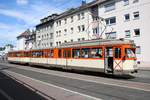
12 90
103 91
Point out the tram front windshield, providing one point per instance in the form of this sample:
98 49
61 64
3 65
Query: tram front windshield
130 53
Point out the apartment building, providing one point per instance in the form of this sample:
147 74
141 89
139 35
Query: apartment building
31 40
45 32
26 40
21 40
76 24
107 19
128 19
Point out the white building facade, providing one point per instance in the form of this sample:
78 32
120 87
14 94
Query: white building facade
69 28
45 32
107 19
21 43
129 19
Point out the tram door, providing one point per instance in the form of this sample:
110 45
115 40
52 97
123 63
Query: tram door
108 60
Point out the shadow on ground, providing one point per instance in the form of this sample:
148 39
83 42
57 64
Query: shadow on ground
99 74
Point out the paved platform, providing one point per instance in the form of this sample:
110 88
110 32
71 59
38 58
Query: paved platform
12 90
144 68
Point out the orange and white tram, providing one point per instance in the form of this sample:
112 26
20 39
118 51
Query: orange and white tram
108 56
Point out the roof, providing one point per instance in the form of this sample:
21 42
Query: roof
69 12
24 34
78 9
47 20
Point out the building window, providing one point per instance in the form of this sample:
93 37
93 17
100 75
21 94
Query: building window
79 28
110 7
78 39
79 17
96 30
65 41
57 43
126 2
65 31
111 21
65 20
135 1
51 35
71 30
136 15
82 15
83 28
71 19
127 17
111 35
71 40
127 34
138 50
59 33
51 44
57 23
83 39
60 23
137 32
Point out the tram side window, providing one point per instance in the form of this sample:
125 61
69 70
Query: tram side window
46 54
69 53
18 55
65 53
76 53
40 54
37 54
59 53
117 52
28 54
96 52
33 54
52 53
85 53
25 54
130 53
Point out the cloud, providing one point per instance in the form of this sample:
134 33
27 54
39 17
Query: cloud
9 33
22 2
4 26
13 13
32 15
28 16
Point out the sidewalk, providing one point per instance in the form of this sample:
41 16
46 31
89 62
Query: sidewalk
12 90
144 68
58 93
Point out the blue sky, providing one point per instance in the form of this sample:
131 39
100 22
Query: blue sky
18 15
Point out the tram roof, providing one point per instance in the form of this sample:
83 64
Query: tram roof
97 42
100 42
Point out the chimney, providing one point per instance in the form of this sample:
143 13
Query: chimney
83 2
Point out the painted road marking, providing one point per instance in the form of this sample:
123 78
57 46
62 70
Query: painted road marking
124 83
